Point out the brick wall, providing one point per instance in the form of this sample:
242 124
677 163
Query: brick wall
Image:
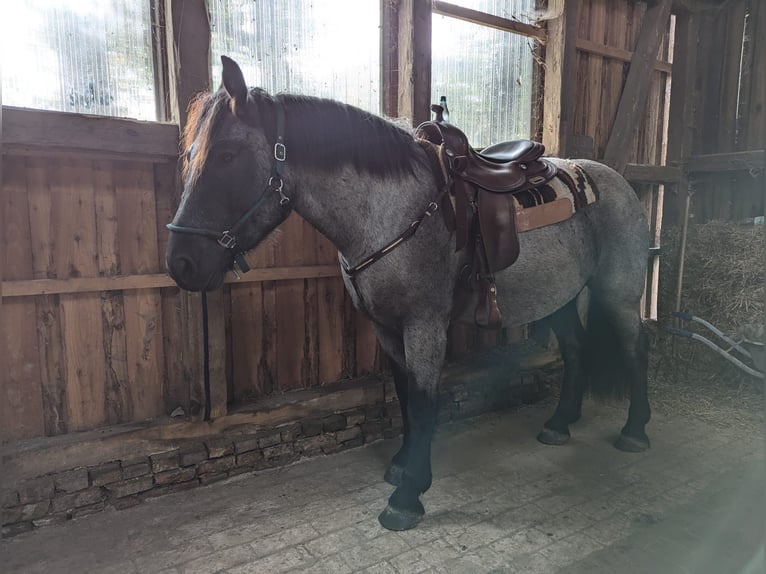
56 498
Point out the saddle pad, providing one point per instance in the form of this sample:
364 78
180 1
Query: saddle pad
556 200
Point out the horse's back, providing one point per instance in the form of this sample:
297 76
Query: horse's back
604 244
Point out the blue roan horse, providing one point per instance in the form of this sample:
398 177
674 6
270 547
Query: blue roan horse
362 180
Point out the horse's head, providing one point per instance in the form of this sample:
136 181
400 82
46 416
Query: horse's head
232 196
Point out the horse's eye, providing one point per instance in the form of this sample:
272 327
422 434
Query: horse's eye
226 157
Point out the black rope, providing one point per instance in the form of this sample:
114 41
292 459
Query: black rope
206 357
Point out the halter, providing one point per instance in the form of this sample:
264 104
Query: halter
228 239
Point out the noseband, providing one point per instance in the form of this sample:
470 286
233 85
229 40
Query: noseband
228 239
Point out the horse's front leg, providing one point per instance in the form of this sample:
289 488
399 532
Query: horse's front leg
392 342
425 346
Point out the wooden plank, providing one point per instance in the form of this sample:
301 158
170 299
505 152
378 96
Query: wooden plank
613 74
21 406
291 310
488 20
756 114
74 231
49 336
134 186
729 82
267 372
330 295
311 308
642 173
119 406
178 373
414 60
635 91
27 130
560 80
367 358
389 64
581 61
593 77
734 161
590 47
682 120
247 339
31 287
614 53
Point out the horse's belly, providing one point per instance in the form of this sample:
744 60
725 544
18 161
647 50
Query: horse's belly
554 265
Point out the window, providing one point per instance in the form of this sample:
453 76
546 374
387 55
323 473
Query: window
91 57
485 73
329 49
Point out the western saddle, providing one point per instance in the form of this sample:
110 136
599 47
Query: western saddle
483 184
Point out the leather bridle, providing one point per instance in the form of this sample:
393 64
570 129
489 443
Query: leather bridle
228 238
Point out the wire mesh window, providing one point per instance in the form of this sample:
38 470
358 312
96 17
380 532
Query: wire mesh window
486 74
91 57
329 49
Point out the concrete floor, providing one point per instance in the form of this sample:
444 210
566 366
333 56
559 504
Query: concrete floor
500 502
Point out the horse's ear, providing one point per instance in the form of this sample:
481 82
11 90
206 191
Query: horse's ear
234 82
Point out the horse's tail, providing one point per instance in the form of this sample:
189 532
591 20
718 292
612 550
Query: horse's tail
605 363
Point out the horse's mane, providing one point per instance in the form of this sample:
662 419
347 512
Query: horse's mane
319 133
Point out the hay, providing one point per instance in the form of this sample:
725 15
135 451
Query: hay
723 284
723 277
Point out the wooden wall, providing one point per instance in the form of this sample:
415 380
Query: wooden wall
84 354
607 33
729 99
94 331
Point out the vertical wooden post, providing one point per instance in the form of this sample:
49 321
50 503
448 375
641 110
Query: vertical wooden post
560 79
682 123
414 77
634 94
389 58
189 72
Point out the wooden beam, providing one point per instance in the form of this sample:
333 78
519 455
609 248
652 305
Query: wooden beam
656 174
718 162
389 65
636 90
34 287
189 37
560 84
37 131
476 17
585 45
414 60
189 71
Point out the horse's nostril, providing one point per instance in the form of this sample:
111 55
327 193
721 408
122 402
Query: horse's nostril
182 267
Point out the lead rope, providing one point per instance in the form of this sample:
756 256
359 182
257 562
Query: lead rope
205 358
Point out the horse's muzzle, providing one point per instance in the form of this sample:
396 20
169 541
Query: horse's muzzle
187 275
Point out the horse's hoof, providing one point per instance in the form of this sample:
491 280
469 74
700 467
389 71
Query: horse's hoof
552 437
394 474
394 519
630 444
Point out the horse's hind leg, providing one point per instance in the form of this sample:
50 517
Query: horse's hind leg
393 345
633 436
618 340
570 334
425 345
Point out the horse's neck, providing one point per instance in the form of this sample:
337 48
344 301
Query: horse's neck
359 212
